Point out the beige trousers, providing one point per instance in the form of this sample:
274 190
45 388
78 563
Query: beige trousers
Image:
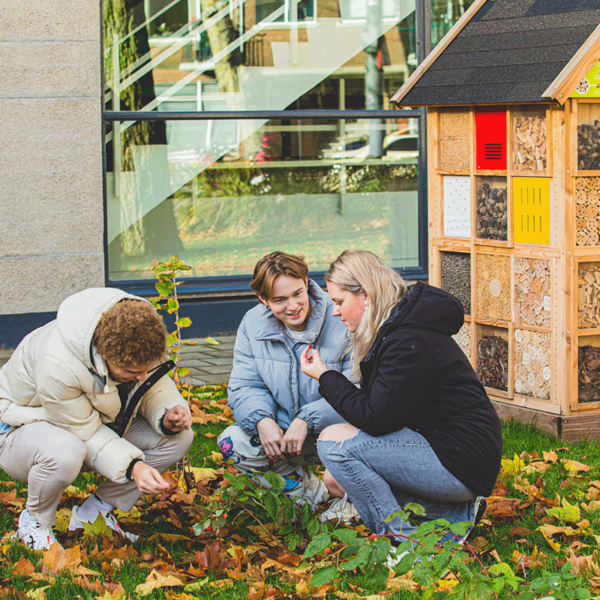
49 458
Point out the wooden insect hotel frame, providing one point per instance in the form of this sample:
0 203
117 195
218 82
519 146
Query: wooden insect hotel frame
514 206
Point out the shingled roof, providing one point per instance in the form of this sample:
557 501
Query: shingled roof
507 51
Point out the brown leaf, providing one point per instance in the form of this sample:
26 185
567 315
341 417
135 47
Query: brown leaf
550 457
56 559
11 499
23 567
156 580
520 531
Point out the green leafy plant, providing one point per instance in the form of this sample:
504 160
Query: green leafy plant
166 285
243 502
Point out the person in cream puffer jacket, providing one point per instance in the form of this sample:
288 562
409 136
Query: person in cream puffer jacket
88 391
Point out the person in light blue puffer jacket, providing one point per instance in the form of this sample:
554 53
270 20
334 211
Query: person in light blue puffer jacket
277 409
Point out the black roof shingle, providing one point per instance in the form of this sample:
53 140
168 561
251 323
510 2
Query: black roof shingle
510 51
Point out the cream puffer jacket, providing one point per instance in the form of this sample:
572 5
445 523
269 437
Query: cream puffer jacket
51 377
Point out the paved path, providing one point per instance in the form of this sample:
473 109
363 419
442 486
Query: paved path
208 363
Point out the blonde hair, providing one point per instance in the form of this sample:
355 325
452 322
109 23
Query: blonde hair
271 266
361 270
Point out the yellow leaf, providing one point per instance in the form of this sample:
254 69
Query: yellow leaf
573 466
212 341
98 527
221 583
63 516
201 474
547 533
196 586
155 580
567 512
38 594
189 342
513 467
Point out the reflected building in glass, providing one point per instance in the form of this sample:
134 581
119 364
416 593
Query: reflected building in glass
222 192
218 130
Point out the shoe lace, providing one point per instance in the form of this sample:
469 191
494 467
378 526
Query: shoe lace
40 535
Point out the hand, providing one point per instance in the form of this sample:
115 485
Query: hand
271 437
294 437
311 364
177 419
148 479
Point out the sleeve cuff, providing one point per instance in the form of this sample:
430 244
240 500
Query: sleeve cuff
164 430
132 464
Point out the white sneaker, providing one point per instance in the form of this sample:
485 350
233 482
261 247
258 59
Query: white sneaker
315 492
340 510
34 535
77 522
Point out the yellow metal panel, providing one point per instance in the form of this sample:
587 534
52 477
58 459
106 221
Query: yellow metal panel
531 203
589 87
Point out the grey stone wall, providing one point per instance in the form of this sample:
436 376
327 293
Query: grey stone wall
51 199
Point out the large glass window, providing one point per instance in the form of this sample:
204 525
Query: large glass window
222 192
313 188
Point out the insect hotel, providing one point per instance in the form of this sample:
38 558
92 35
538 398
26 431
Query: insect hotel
513 125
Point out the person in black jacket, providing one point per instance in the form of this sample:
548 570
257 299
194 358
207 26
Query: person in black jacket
420 427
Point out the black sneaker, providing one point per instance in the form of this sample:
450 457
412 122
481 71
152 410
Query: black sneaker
481 505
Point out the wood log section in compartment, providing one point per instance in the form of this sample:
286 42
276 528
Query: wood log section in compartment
589 297
589 374
533 292
587 211
588 146
492 212
463 339
492 362
529 143
456 276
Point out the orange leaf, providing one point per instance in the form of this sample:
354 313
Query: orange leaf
155 580
56 559
23 567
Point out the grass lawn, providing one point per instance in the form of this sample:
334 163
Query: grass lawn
213 540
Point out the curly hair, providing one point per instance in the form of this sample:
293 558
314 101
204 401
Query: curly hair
131 333
271 266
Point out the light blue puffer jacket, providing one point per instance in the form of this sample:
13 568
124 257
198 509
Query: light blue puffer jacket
265 380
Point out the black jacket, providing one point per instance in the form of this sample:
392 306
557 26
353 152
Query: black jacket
415 375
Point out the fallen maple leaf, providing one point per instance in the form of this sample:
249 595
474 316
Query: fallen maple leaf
56 559
23 567
37 594
550 457
573 466
118 593
155 580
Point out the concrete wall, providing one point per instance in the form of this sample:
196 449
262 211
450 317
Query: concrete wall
51 199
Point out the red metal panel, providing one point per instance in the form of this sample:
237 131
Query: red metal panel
490 140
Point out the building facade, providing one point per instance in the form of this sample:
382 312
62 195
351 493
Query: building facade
215 130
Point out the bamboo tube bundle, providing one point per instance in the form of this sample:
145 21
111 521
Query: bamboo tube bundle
493 286
587 211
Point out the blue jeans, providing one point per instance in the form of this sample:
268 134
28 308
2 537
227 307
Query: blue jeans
383 474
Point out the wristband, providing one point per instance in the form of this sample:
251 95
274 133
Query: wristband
132 464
